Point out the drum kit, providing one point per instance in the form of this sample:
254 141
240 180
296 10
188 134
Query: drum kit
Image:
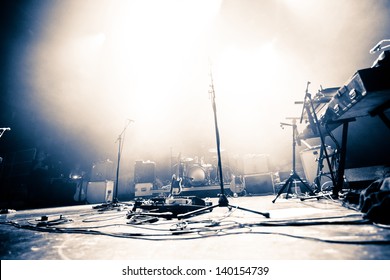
196 172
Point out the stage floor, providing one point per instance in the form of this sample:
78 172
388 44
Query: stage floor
296 230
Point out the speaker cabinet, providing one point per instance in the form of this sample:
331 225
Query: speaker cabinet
143 189
259 184
103 170
144 172
100 192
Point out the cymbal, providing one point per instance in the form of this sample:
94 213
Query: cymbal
188 159
214 150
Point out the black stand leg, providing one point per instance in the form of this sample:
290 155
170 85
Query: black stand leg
289 183
341 168
222 202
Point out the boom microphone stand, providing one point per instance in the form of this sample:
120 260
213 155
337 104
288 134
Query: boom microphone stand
293 176
223 201
3 129
120 138
120 147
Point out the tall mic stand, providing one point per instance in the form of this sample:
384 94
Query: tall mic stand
293 176
3 129
115 200
120 147
222 201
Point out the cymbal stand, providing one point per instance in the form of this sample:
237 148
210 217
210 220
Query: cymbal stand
223 200
293 176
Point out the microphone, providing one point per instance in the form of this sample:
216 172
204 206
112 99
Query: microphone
5 128
377 48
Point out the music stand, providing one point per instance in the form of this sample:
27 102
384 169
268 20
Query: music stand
293 175
223 200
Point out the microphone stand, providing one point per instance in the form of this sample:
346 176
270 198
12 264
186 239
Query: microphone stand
3 129
119 140
120 147
222 201
294 175
378 47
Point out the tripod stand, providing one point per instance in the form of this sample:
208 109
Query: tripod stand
293 176
222 201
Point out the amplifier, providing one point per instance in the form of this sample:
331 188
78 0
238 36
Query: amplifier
143 189
103 170
100 192
144 172
259 184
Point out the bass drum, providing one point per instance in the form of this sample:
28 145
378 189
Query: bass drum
196 176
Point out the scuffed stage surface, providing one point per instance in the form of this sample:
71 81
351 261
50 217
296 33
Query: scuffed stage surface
298 230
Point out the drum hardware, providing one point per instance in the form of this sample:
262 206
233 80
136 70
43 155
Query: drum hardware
186 160
223 200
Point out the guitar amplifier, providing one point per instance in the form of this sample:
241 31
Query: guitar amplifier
144 172
103 170
259 184
100 192
143 189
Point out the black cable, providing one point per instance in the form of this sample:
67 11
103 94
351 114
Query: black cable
213 230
